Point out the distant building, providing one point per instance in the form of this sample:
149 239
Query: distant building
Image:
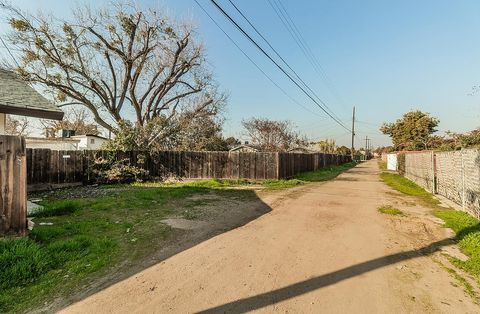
244 148
19 98
75 142
90 141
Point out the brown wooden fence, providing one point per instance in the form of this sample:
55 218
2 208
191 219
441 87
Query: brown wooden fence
13 187
47 167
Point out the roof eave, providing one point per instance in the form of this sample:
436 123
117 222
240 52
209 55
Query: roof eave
32 112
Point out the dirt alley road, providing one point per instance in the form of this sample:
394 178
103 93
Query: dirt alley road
324 248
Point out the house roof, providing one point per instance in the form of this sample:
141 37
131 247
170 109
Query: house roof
19 98
90 135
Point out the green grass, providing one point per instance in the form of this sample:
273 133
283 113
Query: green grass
63 207
281 184
390 210
408 187
465 226
466 285
323 174
467 230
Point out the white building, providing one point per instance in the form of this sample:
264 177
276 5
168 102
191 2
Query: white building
76 142
90 141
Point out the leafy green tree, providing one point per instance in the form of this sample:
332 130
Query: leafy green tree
327 146
344 150
412 131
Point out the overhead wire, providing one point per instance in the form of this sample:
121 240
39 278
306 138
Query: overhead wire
280 57
276 63
282 13
254 63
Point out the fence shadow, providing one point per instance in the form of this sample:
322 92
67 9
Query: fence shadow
268 298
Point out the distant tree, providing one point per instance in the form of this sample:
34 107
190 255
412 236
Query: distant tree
76 119
412 131
124 64
328 146
343 150
17 126
271 135
232 142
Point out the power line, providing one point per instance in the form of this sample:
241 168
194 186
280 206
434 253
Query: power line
272 60
281 58
254 63
297 36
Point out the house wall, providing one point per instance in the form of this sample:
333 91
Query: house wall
53 144
85 142
97 144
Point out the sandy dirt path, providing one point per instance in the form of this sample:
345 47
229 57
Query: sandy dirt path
324 248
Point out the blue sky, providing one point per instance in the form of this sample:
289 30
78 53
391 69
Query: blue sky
384 57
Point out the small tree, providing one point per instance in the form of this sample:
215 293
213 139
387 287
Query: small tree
344 150
271 135
327 146
412 131
76 119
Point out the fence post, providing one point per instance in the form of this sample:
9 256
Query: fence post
463 178
277 157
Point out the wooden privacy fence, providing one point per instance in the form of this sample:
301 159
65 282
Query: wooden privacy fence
13 187
48 167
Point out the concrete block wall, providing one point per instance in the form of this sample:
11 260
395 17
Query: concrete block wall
458 178
456 175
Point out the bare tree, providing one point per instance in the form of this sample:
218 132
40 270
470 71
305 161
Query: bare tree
118 62
271 135
16 126
76 119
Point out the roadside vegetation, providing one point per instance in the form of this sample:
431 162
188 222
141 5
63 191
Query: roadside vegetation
465 226
390 210
85 233
77 240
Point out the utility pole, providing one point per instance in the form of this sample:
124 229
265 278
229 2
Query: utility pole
353 134
366 147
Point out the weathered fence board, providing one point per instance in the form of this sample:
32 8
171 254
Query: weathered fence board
13 186
45 166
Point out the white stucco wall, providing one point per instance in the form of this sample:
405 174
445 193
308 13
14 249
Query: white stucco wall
392 162
89 142
53 144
